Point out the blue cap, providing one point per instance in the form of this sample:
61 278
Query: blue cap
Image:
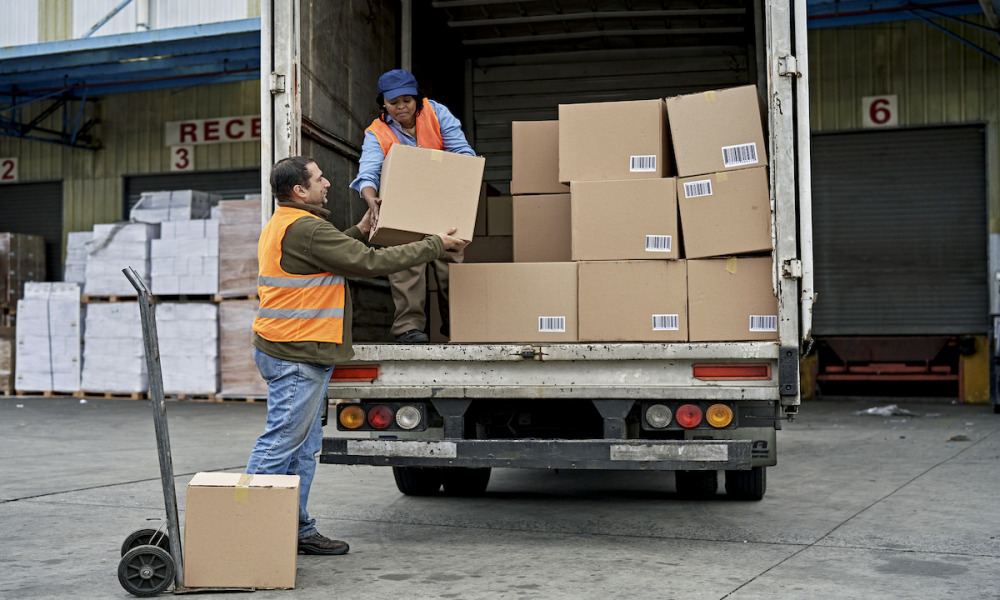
396 83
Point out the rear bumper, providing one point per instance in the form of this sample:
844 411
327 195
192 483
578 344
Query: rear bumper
652 455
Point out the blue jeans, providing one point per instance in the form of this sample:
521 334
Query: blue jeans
294 431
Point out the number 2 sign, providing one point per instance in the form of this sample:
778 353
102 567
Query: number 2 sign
8 170
880 111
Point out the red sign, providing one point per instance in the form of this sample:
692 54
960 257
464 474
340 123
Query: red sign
222 130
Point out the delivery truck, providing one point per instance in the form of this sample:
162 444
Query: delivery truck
442 415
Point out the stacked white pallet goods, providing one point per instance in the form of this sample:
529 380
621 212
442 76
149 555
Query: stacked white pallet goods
185 260
188 336
114 247
239 375
239 231
48 338
179 205
75 267
113 352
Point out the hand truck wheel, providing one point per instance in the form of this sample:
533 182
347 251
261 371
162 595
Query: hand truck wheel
145 537
146 570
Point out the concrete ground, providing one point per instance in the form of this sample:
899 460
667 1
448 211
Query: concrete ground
859 506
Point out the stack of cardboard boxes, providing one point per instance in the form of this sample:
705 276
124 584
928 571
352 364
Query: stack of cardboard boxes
664 234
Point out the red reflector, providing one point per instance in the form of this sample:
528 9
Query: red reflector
688 416
380 417
715 372
367 373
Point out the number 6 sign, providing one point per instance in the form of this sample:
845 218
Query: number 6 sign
879 111
8 170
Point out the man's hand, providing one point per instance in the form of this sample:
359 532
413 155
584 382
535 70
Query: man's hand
452 243
367 222
373 201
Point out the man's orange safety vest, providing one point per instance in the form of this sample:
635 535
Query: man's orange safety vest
295 308
428 131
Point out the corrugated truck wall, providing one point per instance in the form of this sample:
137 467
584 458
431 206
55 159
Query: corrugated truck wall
345 46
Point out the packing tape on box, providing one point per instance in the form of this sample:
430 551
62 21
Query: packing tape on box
437 155
721 177
731 264
709 96
242 493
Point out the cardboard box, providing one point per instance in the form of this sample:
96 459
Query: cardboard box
716 131
425 192
725 213
731 299
535 158
542 228
239 376
624 220
613 140
633 301
241 531
513 302
239 230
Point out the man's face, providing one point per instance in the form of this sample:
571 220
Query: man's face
315 194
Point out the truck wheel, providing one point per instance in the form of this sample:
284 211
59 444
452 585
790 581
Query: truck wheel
417 481
460 481
747 485
696 485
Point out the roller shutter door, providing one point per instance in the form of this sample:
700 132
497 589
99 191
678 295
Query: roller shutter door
900 232
36 209
231 184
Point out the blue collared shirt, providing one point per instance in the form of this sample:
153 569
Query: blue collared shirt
370 165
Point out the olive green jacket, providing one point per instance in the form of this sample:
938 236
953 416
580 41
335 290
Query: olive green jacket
316 246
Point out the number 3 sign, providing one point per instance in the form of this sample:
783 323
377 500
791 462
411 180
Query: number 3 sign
182 158
879 111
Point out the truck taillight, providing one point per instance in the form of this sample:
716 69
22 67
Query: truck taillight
688 416
367 373
380 417
658 416
352 417
719 415
408 417
725 372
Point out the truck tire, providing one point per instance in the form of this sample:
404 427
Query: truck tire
696 485
417 481
460 481
747 485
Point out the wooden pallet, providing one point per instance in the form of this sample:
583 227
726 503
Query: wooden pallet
191 397
237 398
47 393
184 297
123 395
221 297
87 298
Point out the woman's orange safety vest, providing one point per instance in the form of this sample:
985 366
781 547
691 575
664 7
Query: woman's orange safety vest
428 131
295 308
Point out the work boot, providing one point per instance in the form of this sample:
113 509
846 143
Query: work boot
413 336
318 543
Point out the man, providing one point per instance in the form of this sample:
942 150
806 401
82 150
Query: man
303 326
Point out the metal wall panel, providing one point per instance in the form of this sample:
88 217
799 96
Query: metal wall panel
937 78
19 24
179 13
900 232
131 134
528 88
87 13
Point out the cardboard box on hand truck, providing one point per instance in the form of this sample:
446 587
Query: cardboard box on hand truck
425 192
241 531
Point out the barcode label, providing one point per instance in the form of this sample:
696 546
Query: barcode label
698 188
739 155
551 324
763 322
658 243
666 323
642 164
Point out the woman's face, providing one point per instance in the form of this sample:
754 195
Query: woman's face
402 109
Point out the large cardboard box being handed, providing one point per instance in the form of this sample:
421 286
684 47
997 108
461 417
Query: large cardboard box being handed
425 192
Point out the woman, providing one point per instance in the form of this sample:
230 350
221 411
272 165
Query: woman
405 117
